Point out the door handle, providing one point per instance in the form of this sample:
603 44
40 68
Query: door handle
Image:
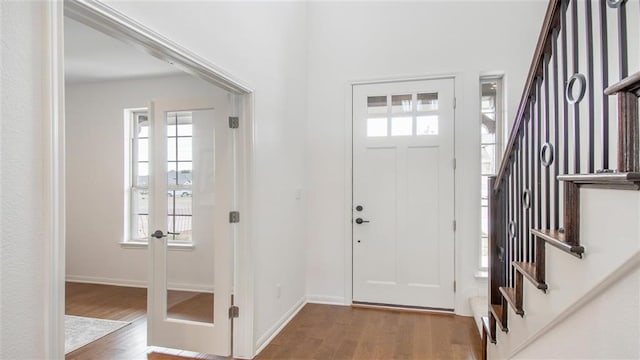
158 234
360 221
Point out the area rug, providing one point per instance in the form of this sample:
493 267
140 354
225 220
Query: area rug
79 331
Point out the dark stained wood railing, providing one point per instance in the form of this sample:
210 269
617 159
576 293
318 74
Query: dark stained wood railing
564 136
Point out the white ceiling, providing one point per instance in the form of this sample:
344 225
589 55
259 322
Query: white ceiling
90 55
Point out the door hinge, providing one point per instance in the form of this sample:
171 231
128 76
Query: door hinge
234 122
454 286
455 225
234 217
455 102
234 312
454 163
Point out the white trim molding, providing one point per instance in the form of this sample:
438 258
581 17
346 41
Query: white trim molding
107 20
348 171
270 334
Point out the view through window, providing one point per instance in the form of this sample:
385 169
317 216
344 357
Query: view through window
490 131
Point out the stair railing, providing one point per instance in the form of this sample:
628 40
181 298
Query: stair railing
567 133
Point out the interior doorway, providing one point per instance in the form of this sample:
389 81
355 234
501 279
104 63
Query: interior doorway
403 194
104 99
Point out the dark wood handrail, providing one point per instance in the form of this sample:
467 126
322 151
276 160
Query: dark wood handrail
551 20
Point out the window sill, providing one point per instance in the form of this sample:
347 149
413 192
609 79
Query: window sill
482 275
144 245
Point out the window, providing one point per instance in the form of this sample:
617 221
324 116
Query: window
179 176
490 144
179 169
138 225
402 115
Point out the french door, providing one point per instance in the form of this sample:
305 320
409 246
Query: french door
403 194
191 195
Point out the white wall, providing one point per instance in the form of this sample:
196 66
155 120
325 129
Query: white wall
593 302
23 221
261 44
608 327
381 40
95 131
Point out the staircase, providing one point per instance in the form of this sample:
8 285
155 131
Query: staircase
564 142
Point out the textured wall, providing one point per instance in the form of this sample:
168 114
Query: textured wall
23 241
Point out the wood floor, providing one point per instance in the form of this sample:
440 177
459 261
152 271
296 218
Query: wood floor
318 331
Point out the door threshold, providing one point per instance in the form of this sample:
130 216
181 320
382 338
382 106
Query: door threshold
401 308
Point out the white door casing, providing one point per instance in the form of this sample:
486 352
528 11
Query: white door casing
403 178
213 198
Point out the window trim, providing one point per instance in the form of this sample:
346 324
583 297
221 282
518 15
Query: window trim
130 154
498 143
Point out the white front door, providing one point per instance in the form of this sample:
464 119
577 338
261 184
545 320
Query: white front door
192 193
403 194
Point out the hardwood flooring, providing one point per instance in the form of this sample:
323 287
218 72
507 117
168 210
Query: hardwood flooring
318 331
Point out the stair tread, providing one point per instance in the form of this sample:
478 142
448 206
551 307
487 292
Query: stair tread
487 329
558 239
529 271
629 84
609 180
496 311
509 293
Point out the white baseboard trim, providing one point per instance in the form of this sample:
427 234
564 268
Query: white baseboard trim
106 281
270 334
327 300
136 283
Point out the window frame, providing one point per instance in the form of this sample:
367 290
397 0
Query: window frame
499 111
130 186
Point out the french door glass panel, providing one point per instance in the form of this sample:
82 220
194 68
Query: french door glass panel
192 196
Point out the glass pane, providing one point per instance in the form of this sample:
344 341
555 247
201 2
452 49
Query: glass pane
484 190
179 202
427 125
140 227
484 225
401 103
172 174
180 228
171 129
488 154
140 209
190 305
427 102
484 253
171 149
185 130
143 175
377 104
401 126
184 148
143 149
488 128
185 173
377 127
142 127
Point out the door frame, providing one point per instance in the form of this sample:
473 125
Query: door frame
348 171
104 18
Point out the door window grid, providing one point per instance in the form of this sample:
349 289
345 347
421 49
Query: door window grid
179 176
402 115
490 126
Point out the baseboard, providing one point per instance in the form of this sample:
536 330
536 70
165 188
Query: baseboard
327 300
136 283
270 334
106 281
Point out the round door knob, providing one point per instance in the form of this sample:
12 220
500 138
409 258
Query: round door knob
359 208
